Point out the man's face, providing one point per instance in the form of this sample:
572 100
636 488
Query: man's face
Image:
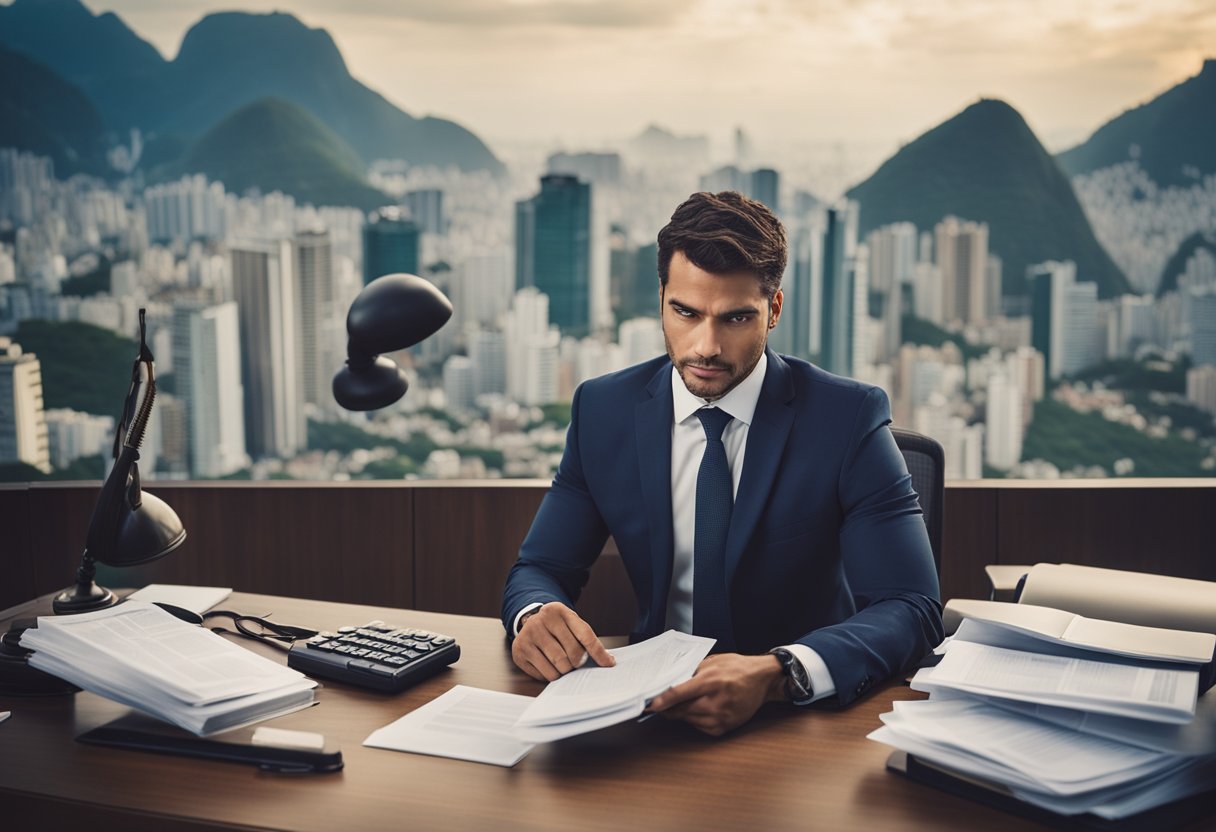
715 325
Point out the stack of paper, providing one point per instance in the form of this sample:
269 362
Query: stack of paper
595 697
1110 729
138 654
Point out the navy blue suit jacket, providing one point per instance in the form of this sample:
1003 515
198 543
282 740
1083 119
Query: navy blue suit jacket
827 545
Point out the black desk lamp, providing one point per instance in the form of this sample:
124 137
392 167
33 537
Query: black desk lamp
129 525
391 313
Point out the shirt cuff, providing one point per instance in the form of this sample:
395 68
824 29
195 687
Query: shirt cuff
537 605
822 685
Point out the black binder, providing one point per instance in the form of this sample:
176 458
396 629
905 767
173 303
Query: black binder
143 733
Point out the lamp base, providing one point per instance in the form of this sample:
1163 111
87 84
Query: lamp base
83 598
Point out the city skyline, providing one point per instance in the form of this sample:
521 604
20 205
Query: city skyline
875 73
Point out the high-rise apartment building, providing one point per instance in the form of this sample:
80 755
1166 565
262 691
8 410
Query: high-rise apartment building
265 288
961 252
23 433
488 352
72 435
765 187
553 249
425 207
1003 422
207 371
390 244
838 311
321 321
1064 317
1203 325
459 385
1201 387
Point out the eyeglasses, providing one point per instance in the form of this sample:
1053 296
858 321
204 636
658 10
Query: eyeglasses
259 629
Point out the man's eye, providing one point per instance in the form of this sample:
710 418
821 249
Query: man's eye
739 319
683 313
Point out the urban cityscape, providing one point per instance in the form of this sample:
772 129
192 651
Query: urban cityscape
1021 361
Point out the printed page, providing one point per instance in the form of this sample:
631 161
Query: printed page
464 724
187 661
1042 620
1105 687
642 671
194 598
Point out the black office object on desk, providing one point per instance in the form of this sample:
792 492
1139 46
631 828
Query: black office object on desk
142 733
375 656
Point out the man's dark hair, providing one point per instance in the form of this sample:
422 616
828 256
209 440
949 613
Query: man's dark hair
726 232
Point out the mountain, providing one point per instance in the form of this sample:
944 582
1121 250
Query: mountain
230 59
226 61
120 72
986 164
42 113
274 145
1174 132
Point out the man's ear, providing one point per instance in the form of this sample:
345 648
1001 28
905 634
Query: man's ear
774 308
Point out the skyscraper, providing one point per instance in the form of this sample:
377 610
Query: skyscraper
23 433
207 369
321 321
1003 422
892 265
426 210
553 245
765 187
390 244
1203 325
1064 315
265 290
837 312
962 255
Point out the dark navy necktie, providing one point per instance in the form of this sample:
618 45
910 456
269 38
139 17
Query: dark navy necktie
715 498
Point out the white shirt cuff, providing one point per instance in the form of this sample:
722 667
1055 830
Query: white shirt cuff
822 685
537 605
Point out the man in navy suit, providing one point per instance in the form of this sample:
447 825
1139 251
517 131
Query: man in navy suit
754 498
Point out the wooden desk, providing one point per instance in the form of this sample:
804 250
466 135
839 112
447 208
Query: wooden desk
786 769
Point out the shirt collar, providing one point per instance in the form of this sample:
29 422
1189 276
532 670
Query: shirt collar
740 402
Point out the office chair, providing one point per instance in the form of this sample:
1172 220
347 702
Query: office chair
926 462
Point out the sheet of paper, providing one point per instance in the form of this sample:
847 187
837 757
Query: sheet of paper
642 671
465 724
194 598
186 661
1061 760
1103 687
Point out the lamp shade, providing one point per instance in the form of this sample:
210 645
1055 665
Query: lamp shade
392 313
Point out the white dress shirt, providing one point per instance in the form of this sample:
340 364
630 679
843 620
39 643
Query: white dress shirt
687 448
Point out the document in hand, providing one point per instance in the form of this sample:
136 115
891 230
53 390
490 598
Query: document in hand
1036 625
141 656
591 697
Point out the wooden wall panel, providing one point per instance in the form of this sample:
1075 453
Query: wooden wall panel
1164 528
468 537
59 525
17 582
332 542
968 540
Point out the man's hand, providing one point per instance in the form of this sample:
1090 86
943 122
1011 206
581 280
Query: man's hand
554 640
726 692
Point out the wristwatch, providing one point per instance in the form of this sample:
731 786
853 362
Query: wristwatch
797 682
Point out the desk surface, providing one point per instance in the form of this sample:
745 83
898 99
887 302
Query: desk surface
786 769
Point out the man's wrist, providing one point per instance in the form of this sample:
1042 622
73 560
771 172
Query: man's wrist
524 616
775 674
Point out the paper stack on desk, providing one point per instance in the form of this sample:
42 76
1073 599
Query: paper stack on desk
1071 730
138 654
595 697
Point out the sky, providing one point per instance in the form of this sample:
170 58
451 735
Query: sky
877 72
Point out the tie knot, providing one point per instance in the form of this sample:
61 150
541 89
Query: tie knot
714 420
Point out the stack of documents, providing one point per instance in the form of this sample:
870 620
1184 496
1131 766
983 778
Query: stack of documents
1071 715
141 656
595 697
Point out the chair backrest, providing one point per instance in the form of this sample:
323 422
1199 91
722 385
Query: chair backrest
926 462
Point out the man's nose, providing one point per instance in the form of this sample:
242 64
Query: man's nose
708 343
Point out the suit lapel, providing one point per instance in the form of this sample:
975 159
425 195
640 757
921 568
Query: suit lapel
653 418
766 440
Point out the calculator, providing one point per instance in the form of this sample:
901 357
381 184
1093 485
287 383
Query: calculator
375 655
